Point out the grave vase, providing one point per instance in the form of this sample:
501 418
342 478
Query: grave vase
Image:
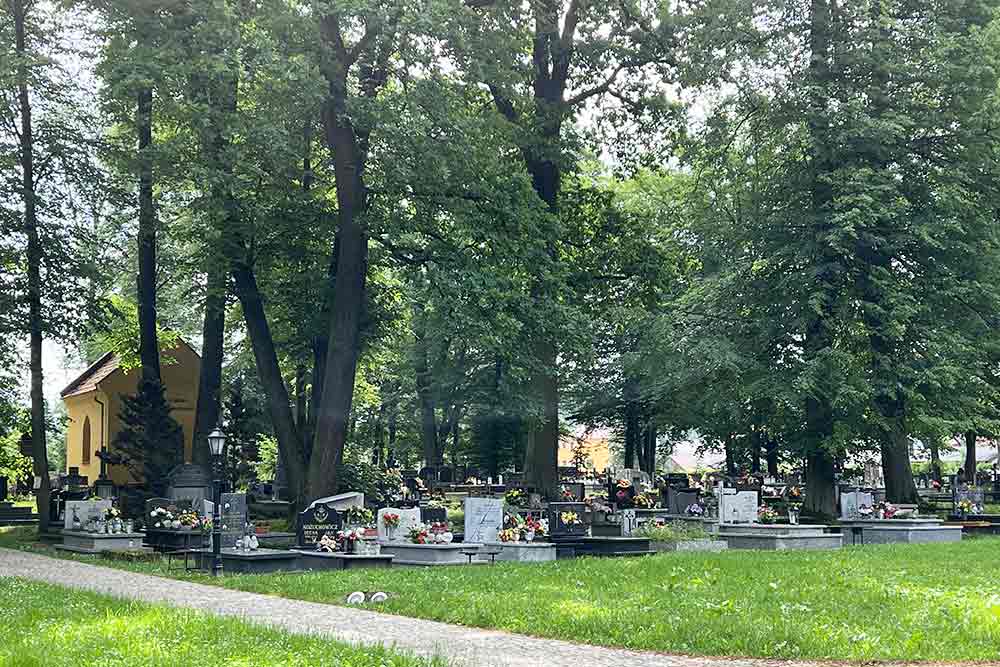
793 517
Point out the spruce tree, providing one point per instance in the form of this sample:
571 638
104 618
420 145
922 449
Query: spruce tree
151 440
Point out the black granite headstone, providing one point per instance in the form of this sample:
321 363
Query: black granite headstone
316 522
560 528
431 515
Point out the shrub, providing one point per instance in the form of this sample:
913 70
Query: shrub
676 531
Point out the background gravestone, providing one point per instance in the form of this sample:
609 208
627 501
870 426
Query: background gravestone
483 519
315 522
190 482
408 518
970 493
341 501
851 501
573 492
678 501
629 523
234 518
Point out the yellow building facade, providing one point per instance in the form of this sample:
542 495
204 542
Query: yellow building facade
94 399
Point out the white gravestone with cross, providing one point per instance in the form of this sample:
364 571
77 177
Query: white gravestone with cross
407 520
483 519
85 510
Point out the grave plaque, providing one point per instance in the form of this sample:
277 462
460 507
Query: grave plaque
629 523
852 501
738 507
85 511
234 518
408 518
315 522
483 519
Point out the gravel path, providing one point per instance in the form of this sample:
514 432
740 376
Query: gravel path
461 646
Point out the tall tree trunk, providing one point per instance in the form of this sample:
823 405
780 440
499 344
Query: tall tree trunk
149 351
729 445
428 417
347 145
970 457
755 450
649 441
39 453
269 372
632 426
209 407
899 484
821 495
771 454
934 444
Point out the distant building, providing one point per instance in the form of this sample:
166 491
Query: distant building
94 399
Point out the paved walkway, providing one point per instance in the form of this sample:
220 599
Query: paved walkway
463 647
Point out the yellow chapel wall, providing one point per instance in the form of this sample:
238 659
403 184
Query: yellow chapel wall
180 379
78 410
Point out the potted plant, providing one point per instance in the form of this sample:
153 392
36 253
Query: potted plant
418 534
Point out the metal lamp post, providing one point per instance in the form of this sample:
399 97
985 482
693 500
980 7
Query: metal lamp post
216 445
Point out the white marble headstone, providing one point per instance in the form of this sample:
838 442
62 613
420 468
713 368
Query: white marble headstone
851 501
739 507
407 519
483 519
85 510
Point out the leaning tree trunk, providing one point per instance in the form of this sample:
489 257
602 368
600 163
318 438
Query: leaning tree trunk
269 372
39 453
970 457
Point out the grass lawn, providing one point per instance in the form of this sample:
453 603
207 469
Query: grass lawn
50 625
906 603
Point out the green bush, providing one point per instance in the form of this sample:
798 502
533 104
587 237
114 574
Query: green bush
677 531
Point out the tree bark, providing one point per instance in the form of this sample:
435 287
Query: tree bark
649 440
39 453
755 450
428 417
149 351
632 428
821 495
347 145
934 444
209 406
899 484
771 454
970 457
269 372
730 456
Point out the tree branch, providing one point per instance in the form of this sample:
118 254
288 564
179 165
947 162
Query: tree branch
599 89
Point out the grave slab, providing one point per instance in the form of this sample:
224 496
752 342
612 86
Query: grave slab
319 560
261 561
779 537
899 531
92 543
524 552
428 554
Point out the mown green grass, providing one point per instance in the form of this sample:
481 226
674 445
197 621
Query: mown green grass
53 626
860 604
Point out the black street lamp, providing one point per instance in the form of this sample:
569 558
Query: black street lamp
216 445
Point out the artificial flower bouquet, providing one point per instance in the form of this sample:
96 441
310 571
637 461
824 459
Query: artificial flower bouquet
766 514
